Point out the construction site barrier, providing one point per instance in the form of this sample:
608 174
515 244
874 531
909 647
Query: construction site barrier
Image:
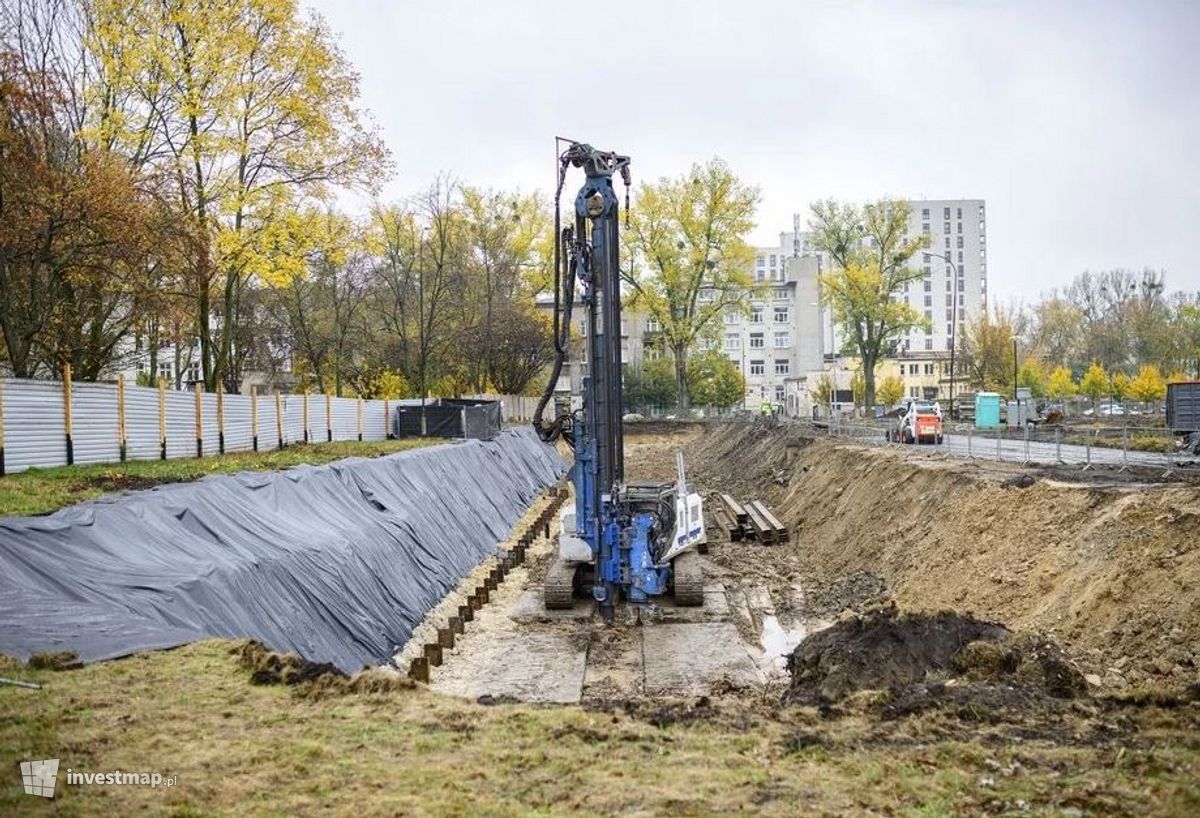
60 423
1113 445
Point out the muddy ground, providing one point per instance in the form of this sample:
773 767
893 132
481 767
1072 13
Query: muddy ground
1105 570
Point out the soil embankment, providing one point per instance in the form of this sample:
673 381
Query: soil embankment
1109 570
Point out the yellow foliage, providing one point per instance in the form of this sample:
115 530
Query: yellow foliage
1094 382
1060 384
1149 385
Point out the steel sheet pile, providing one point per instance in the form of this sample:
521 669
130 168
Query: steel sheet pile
337 563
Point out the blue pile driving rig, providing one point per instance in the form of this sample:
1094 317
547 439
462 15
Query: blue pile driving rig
623 540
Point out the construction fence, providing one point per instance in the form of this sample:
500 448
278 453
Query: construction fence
1119 447
60 423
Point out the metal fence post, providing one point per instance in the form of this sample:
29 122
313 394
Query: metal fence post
970 437
1026 443
1058 444
162 419
279 417
304 412
387 432
66 392
360 413
198 390
1 428
328 418
999 443
121 438
1124 447
220 417
254 416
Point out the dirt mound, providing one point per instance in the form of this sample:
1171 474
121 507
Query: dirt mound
883 650
888 650
1110 571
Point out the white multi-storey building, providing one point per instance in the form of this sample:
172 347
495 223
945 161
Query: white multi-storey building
778 342
954 268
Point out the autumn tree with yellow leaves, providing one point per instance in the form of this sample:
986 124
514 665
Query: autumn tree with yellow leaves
242 111
870 248
690 260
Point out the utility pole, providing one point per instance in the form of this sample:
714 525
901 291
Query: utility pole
1014 367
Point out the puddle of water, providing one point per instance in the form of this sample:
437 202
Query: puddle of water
778 642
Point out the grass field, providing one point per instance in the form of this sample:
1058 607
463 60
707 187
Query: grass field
241 749
38 491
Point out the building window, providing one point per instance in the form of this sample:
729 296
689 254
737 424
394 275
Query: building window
779 396
929 343
946 213
783 340
780 292
164 371
760 275
762 261
928 369
929 301
757 367
960 213
772 261
733 341
194 372
756 340
914 391
960 244
947 242
756 315
731 318
960 228
925 228
781 315
782 366
928 285
947 228
925 213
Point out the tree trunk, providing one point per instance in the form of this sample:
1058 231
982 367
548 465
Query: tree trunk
683 404
869 382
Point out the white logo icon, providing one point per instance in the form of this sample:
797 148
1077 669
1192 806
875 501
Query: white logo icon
39 776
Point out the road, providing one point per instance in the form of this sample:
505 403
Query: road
987 446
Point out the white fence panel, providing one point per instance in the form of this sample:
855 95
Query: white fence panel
95 427
239 434
34 434
374 420
293 422
141 423
345 418
211 431
181 424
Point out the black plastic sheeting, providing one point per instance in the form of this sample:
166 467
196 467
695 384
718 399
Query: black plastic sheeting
337 562
449 417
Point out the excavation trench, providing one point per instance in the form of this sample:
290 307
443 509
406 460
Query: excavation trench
967 553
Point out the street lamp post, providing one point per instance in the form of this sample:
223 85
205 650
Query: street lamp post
1014 367
953 321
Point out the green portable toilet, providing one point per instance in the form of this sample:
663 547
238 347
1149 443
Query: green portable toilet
987 410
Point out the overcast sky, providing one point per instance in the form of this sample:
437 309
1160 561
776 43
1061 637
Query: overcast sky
1079 123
